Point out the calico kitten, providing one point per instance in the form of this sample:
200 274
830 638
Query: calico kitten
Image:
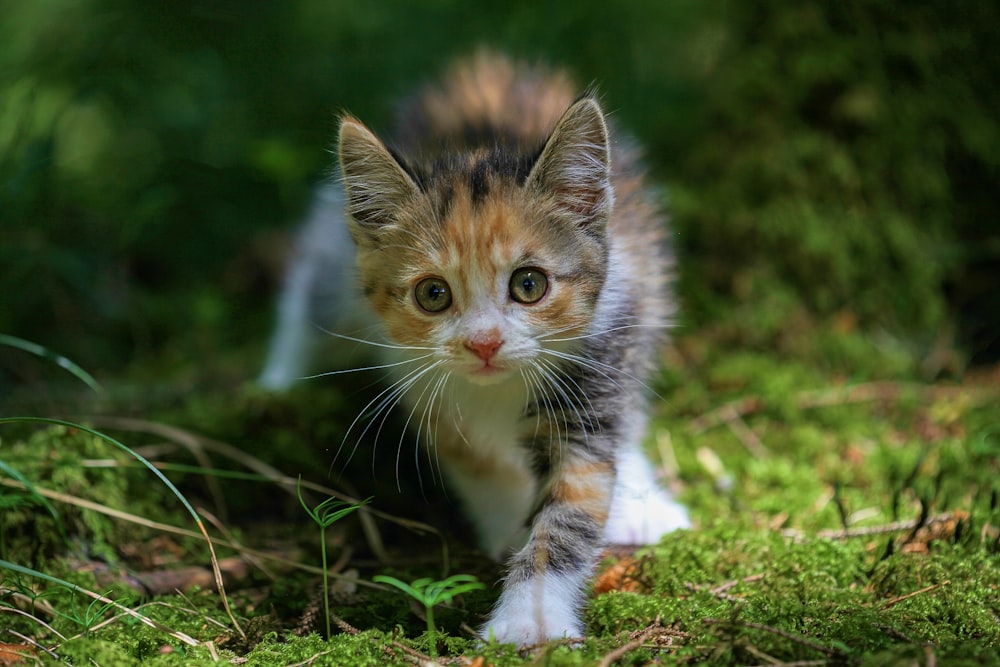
513 257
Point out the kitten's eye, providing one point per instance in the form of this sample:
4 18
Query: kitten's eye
528 285
433 295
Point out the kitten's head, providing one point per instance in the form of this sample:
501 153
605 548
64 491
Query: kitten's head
486 256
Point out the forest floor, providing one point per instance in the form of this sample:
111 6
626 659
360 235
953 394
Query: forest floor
843 516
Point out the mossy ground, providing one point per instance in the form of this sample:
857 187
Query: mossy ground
840 519
832 174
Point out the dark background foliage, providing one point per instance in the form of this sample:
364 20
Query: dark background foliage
828 161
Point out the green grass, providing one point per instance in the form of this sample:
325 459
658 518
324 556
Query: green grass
838 522
831 168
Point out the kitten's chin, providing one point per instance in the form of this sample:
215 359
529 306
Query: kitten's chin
485 376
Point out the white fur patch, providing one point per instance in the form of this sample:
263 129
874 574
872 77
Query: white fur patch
534 611
641 512
498 505
319 291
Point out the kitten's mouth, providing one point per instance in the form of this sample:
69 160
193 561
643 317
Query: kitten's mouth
487 373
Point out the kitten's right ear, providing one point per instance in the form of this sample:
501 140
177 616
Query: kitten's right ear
377 185
575 165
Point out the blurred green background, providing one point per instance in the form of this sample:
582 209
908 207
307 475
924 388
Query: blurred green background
830 165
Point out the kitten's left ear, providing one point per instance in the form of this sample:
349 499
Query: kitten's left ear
377 185
575 164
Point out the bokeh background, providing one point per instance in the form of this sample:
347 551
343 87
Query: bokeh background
832 166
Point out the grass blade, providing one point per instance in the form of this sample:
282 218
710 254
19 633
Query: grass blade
162 478
57 359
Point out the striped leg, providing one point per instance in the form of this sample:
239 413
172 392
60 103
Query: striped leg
543 590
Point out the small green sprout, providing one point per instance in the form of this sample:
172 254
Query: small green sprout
431 593
326 514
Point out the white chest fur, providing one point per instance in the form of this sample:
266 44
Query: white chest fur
475 436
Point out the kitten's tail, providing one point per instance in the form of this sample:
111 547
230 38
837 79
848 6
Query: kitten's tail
318 292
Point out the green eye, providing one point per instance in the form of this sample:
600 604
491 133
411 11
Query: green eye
433 295
528 285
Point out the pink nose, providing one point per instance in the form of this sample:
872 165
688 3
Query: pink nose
484 347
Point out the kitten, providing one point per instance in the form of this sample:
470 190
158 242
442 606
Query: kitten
514 260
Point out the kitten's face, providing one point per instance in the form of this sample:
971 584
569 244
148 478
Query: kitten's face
490 258
486 285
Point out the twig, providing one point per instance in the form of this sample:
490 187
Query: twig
310 660
568 641
413 655
32 642
798 639
720 590
896 600
344 626
288 484
722 414
898 634
818 398
869 531
228 535
797 663
175 530
15 610
746 435
642 638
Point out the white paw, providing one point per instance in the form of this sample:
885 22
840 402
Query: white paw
525 631
643 516
536 611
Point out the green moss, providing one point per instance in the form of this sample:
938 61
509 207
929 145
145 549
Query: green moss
832 170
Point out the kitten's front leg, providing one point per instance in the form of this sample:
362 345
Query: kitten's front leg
543 591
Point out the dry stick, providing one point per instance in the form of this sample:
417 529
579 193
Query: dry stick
412 654
931 658
896 600
175 530
869 531
26 640
228 535
308 661
25 598
620 652
213 484
720 590
365 514
763 655
723 413
194 441
524 651
819 398
746 435
797 663
344 626
799 639
176 634
695 588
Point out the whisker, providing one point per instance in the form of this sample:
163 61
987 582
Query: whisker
391 346
552 377
397 397
437 424
606 331
425 419
367 368
553 421
530 398
597 367
402 437
384 399
590 420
